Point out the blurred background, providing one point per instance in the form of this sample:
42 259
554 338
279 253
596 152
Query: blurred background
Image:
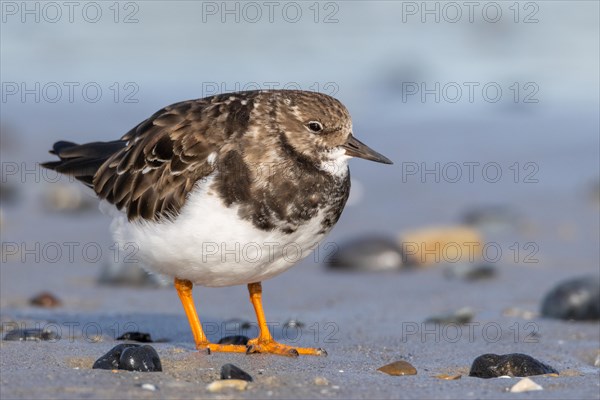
489 112
492 104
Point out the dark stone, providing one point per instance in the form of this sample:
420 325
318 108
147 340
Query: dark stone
111 359
141 337
31 335
235 339
45 300
140 358
366 254
230 371
516 364
576 299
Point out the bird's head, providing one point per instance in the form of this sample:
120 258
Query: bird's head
317 128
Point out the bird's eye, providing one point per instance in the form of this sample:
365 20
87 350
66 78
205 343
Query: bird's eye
315 126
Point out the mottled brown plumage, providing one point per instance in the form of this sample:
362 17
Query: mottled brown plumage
259 145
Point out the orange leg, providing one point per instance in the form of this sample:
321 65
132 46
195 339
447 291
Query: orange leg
184 290
265 343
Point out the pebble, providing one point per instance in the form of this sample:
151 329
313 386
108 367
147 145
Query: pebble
461 316
447 377
149 386
110 360
471 272
366 254
142 358
519 313
130 357
218 386
320 381
26 335
574 299
440 245
141 337
235 339
516 364
525 385
294 323
230 371
398 368
45 300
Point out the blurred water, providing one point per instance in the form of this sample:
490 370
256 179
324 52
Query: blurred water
373 59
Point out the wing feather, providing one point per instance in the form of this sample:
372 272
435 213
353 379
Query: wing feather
165 156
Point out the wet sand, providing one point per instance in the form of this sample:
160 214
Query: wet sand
363 320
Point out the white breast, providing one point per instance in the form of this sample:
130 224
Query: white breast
210 245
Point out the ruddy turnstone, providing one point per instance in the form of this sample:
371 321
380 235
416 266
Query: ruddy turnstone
226 190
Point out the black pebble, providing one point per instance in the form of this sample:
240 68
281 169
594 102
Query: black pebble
30 335
366 254
140 358
230 371
576 299
516 364
111 359
136 337
235 339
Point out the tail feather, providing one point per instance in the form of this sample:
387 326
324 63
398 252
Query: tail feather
82 161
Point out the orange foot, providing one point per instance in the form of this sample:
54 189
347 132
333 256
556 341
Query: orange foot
264 343
272 347
221 348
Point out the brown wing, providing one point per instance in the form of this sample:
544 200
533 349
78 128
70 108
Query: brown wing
164 157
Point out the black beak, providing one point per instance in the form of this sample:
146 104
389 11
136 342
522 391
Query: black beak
356 148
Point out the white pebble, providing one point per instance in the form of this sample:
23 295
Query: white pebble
218 386
149 386
525 385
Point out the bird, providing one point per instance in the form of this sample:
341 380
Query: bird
231 189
